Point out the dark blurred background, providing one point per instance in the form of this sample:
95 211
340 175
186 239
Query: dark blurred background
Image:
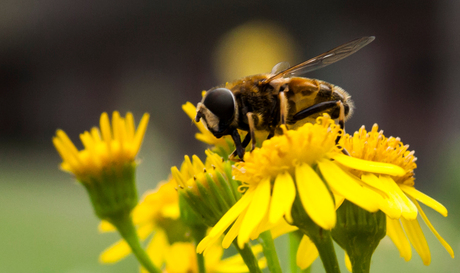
63 63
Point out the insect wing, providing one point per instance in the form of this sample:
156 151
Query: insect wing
280 67
325 59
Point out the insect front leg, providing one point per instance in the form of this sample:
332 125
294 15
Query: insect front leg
239 149
250 136
245 143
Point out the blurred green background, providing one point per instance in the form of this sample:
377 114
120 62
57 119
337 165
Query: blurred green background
62 63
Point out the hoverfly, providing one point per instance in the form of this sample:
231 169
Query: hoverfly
266 101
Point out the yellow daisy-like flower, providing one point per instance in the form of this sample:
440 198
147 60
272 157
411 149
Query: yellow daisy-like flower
158 211
181 258
207 187
297 162
170 247
399 192
114 145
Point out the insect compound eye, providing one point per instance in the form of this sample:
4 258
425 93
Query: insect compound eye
221 103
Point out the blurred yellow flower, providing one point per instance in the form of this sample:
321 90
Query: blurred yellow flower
297 162
113 146
171 247
158 210
401 197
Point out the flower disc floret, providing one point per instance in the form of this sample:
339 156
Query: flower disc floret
284 153
374 146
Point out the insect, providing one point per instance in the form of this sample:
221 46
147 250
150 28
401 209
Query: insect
266 101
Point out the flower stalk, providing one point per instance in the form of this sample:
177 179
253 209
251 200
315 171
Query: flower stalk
248 257
319 236
125 227
269 250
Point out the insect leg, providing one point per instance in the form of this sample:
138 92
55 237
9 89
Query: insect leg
245 143
320 107
283 106
315 109
252 130
239 147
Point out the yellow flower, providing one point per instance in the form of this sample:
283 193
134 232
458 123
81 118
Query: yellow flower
401 198
181 258
170 246
207 187
112 146
306 162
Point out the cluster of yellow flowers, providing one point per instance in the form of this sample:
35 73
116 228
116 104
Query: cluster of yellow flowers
301 176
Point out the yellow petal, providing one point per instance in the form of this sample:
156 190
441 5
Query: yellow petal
280 228
233 232
232 213
397 235
417 239
213 258
425 199
180 258
261 227
348 262
342 184
372 180
115 252
189 109
408 209
315 197
369 166
140 132
157 248
130 126
256 211
428 223
390 206
105 226
225 222
306 253
105 128
205 244
282 197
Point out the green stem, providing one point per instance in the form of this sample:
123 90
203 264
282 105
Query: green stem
125 227
323 243
266 240
320 237
248 257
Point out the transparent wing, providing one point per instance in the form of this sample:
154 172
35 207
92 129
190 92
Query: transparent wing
325 59
279 67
